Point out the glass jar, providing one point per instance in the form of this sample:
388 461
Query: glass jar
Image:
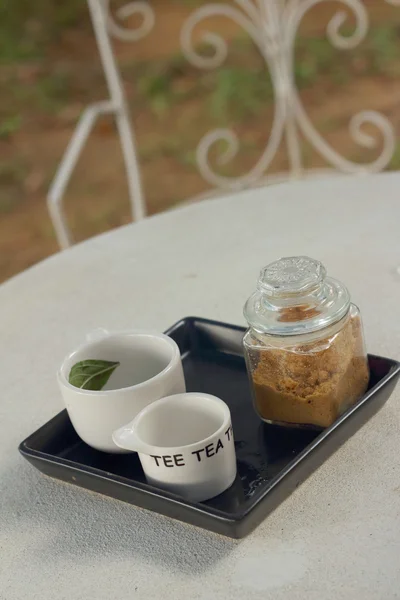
304 348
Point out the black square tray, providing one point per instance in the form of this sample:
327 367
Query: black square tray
272 461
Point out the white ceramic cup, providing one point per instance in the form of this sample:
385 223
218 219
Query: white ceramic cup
150 368
185 444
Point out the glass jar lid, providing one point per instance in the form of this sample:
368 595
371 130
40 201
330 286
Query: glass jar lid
294 296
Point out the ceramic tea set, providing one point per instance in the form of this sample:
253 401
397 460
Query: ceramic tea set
184 440
305 357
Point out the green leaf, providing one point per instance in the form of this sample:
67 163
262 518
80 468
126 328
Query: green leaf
92 374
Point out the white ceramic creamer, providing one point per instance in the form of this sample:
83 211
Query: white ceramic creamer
185 445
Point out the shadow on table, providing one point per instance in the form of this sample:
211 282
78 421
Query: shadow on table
83 522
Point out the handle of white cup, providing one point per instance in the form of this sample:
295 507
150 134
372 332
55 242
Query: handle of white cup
125 437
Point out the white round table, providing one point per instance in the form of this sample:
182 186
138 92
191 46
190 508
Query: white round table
337 536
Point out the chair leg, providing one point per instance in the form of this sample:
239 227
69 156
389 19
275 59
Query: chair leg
57 189
98 10
117 106
128 146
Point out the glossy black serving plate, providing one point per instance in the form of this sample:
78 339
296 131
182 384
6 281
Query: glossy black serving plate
272 461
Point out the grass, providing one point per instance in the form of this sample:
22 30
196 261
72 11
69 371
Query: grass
27 28
384 49
167 146
377 55
47 93
53 92
235 92
173 105
238 92
10 125
239 89
12 174
394 164
160 84
156 89
242 87
189 3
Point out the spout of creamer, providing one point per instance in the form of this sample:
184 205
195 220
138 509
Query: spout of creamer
125 437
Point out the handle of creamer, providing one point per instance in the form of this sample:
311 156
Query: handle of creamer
125 437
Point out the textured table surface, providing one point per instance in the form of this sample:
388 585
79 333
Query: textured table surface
337 536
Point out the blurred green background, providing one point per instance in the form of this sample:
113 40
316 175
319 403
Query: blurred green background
49 71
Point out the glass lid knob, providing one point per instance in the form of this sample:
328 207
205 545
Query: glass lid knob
290 275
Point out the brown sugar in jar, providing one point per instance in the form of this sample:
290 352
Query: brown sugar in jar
305 349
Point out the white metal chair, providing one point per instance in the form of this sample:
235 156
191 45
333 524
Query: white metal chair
273 25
